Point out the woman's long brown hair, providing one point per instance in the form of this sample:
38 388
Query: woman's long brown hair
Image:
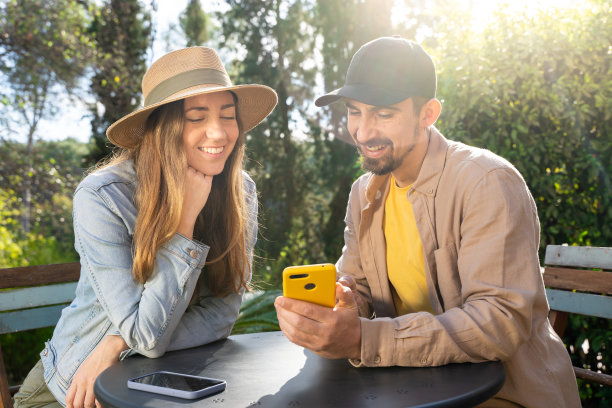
161 163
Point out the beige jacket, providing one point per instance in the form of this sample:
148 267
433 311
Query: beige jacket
480 233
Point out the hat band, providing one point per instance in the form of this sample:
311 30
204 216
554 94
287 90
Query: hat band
185 80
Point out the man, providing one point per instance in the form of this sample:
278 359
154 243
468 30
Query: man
441 239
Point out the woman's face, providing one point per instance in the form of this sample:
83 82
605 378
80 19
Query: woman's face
210 131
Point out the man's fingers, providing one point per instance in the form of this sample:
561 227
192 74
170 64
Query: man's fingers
349 282
310 310
345 297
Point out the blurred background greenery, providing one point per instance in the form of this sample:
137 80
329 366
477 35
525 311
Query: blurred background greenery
533 85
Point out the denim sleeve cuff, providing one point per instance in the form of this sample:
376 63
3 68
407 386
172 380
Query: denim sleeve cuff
192 251
126 353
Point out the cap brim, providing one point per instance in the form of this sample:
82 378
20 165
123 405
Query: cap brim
364 93
255 103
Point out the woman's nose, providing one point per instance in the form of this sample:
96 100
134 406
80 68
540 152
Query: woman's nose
215 130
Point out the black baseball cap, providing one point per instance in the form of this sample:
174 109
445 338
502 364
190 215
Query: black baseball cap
386 71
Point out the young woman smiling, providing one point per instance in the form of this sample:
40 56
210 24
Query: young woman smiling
165 230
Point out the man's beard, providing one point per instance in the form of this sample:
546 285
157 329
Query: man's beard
382 165
387 163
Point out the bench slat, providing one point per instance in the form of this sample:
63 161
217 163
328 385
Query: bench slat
39 275
582 257
22 298
578 279
11 322
581 303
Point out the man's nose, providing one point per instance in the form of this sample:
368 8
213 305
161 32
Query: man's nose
364 131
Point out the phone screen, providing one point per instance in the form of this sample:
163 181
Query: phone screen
176 381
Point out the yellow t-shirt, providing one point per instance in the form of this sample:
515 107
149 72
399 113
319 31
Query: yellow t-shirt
405 263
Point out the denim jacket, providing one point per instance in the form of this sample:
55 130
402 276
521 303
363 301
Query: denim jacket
153 318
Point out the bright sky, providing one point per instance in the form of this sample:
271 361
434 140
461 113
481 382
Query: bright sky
73 121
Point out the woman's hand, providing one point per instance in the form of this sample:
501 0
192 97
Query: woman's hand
81 394
197 189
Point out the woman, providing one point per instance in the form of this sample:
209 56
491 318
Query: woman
174 200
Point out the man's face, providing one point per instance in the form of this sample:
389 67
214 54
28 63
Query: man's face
384 135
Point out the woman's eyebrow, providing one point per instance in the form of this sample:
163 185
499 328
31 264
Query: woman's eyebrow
205 108
197 108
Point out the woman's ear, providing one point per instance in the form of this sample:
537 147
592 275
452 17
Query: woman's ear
430 112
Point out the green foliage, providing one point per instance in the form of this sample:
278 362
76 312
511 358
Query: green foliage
52 181
44 49
21 351
194 23
121 31
538 91
257 313
534 88
44 42
50 241
276 52
587 340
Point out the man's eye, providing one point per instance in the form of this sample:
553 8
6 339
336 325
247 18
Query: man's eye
385 115
353 112
228 117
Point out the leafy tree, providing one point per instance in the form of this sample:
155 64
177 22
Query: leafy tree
194 23
44 50
273 37
53 180
344 27
537 90
122 32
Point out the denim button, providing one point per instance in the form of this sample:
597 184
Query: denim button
194 253
377 359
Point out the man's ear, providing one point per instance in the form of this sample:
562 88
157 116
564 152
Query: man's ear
430 112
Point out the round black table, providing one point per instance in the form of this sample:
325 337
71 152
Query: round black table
267 370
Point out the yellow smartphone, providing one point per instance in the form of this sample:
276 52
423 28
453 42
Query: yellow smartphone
312 283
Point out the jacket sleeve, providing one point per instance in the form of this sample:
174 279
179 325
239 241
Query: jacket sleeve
498 270
212 318
350 261
145 315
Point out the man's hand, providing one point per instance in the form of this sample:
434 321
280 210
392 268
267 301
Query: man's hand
330 333
81 394
350 283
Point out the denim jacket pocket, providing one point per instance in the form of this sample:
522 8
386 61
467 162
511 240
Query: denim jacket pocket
48 357
79 349
449 281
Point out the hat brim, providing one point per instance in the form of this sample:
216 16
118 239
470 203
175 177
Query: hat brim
364 93
255 103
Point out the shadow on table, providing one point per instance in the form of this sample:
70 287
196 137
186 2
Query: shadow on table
335 383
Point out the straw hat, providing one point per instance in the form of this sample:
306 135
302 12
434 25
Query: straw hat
184 73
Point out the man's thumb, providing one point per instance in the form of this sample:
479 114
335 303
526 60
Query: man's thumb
345 297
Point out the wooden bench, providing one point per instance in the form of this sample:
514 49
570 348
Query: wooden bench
573 287
32 297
